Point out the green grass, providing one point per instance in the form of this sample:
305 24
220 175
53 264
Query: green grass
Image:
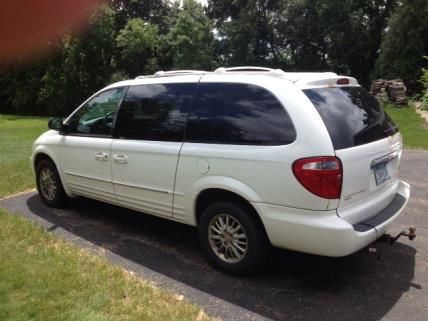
17 134
47 279
413 128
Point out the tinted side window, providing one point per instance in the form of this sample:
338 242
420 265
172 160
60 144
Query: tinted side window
97 115
232 113
352 116
155 112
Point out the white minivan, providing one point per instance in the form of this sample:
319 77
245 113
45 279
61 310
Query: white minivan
252 156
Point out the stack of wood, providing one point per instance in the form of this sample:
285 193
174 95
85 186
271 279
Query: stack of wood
396 91
389 90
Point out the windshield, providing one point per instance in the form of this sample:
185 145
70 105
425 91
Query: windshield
352 116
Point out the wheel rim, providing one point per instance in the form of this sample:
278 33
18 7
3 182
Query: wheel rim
227 238
47 183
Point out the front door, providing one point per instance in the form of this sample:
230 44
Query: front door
85 148
148 138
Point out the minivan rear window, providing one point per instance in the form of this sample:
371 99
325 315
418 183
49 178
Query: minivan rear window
352 116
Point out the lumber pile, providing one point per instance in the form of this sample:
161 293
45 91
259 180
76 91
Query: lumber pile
393 91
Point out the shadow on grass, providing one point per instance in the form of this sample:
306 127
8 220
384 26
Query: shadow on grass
291 286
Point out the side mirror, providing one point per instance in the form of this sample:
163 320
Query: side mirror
56 123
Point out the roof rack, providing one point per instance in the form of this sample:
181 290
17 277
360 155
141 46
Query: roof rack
243 68
178 72
292 76
273 72
162 73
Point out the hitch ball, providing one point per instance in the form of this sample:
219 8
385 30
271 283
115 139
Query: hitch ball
412 233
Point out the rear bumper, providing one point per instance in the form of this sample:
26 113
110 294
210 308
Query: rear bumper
324 232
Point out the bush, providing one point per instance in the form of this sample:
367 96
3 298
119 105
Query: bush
424 81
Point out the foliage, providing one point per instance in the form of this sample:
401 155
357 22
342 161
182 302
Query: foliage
55 85
191 38
353 31
405 42
45 278
307 35
424 81
133 37
138 42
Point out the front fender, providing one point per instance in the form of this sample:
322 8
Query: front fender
51 151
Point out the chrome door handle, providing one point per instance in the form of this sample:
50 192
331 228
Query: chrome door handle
120 159
103 157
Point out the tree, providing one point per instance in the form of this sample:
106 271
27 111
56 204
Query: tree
133 37
305 38
305 35
191 38
83 66
245 30
405 42
137 44
352 30
424 83
156 12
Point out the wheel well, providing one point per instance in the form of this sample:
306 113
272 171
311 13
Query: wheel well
39 157
212 195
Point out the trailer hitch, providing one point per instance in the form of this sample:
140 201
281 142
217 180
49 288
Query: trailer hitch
388 238
411 234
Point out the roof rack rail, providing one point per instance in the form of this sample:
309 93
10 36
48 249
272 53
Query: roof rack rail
273 72
161 73
243 68
144 76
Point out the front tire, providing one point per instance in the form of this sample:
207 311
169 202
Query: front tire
49 184
232 238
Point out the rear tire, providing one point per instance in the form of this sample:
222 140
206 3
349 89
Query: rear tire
233 240
49 184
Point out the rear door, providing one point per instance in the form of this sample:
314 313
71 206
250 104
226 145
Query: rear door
148 138
367 142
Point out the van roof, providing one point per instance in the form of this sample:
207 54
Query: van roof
300 79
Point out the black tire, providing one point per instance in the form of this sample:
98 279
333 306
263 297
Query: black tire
59 197
257 247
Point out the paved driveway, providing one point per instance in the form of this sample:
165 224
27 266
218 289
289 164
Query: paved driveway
292 286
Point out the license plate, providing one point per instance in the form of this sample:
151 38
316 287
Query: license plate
381 173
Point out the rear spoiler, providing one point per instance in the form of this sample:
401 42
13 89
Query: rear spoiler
334 81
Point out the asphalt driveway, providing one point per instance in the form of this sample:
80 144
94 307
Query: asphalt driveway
292 286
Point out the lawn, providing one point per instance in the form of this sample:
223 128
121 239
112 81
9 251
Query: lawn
45 278
17 134
413 128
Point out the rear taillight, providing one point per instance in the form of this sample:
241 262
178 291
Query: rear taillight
321 176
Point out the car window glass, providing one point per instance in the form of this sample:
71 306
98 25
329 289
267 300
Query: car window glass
155 112
97 115
352 116
235 113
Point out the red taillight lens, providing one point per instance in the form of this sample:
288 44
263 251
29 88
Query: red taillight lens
321 176
343 81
